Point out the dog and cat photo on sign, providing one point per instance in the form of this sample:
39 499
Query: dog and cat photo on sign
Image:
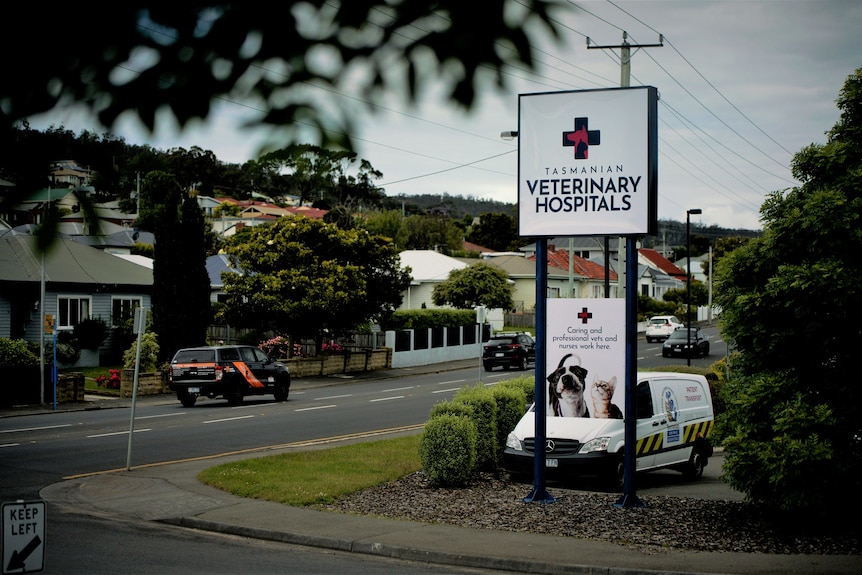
586 358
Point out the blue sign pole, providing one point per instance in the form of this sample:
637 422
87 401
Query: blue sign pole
539 494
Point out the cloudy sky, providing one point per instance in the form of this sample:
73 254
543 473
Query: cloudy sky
743 84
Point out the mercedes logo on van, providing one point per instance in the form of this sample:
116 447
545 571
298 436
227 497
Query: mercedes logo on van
549 445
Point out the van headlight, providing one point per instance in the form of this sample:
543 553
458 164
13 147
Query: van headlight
513 442
597 444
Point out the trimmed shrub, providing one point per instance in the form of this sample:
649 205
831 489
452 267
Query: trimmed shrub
447 449
14 352
90 333
525 383
511 405
452 408
149 353
484 407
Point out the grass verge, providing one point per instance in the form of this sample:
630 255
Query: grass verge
319 476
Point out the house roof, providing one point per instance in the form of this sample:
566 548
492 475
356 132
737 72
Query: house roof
517 266
660 262
428 265
307 211
67 261
471 247
215 266
586 268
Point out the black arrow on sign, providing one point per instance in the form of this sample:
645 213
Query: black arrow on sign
18 559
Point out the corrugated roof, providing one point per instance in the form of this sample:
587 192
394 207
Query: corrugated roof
67 261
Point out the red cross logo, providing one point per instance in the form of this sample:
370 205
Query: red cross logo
582 138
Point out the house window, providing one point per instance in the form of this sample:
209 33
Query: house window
123 309
553 292
72 311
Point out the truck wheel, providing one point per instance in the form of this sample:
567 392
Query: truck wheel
234 396
696 463
282 390
187 399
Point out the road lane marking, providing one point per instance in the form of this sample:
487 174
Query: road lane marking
387 398
162 415
228 419
313 408
333 397
397 389
126 432
35 428
452 381
447 390
8 445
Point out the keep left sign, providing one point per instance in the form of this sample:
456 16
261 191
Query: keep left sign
23 536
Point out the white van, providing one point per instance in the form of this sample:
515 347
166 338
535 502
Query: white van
674 419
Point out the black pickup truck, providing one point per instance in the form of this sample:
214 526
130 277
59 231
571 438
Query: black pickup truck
229 371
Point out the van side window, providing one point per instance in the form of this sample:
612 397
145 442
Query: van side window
229 355
247 354
643 398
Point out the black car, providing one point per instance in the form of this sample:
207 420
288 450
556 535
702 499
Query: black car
678 344
508 350
229 371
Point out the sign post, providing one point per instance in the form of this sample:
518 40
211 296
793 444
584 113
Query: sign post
23 537
588 166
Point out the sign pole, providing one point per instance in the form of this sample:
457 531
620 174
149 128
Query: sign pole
539 493
139 328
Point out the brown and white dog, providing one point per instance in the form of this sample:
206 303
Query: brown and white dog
566 389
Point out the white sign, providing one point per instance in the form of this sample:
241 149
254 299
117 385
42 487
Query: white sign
23 536
585 358
588 162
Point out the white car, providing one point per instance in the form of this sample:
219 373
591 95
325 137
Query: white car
660 327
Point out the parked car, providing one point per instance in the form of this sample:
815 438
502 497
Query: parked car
660 327
678 344
229 371
508 350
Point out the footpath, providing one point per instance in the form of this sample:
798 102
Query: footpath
171 494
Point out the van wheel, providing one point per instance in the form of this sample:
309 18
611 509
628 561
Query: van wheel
618 473
696 463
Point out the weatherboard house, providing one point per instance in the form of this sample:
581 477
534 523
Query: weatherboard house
81 282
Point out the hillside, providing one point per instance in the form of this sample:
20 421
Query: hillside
670 232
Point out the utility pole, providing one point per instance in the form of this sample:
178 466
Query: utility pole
627 271
625 81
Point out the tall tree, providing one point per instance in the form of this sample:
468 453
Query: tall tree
181 286
790 302
177 58
478 284
304 277
495 230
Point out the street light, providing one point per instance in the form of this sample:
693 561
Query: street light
688 214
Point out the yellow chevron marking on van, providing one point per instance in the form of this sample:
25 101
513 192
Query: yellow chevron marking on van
650 444
691 432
